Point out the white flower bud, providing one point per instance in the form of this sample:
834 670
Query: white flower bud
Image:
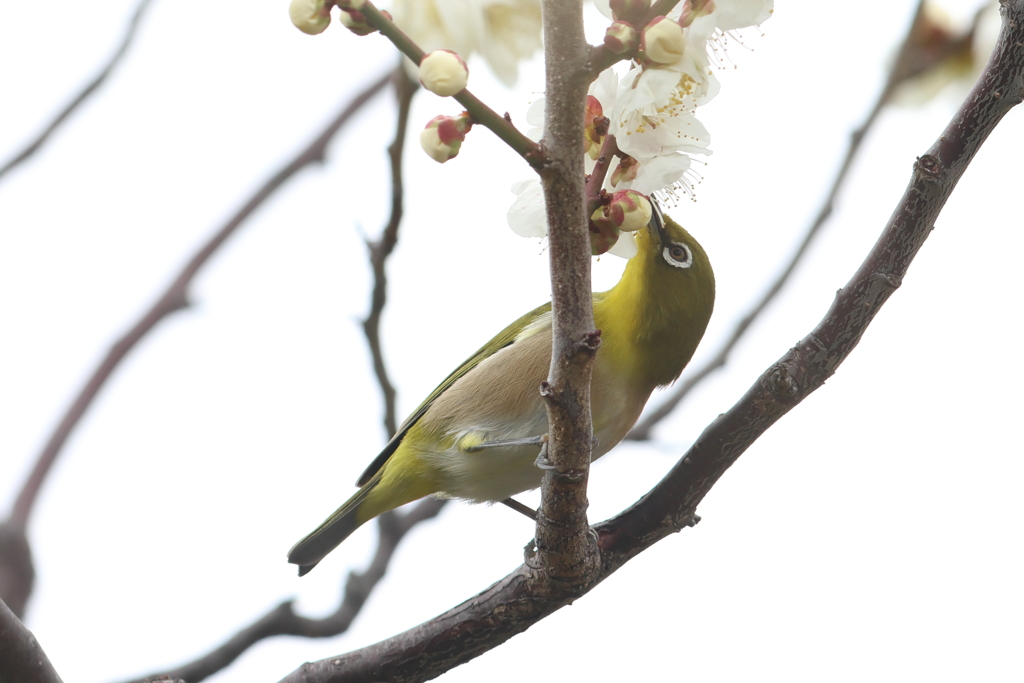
443 73
663 41
310 16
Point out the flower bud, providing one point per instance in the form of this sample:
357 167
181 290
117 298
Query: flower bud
621 38
663 41
355 21
630 210
443 136
625 171
595 127
310 16
603 233
443 73
632 11
693 9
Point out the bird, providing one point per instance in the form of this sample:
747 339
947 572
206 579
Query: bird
477 435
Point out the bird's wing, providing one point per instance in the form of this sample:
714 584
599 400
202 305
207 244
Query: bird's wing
504 338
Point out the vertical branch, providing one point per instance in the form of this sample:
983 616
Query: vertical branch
563 542
381 249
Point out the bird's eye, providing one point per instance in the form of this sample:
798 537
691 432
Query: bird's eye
678 255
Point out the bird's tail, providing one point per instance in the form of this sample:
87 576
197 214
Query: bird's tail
335 529
387 489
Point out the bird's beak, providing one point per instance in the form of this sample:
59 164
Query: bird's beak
657 223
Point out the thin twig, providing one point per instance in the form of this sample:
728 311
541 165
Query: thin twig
173 299
282 620
393 526
501 126
913 59
88 90
381 249
519 600
643 428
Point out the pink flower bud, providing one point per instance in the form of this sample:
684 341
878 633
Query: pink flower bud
595 127
621 38
443 136
663 41
625 171
632 11
443 73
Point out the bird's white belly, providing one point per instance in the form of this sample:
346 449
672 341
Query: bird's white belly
496 473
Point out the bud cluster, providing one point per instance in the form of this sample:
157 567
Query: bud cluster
627 211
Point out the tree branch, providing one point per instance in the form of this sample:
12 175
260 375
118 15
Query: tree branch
565 549
381 249
174 298
392 526
916 55
519 600
282 620
88 90
501 126
22 660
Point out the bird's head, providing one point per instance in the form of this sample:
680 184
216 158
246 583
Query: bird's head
665 297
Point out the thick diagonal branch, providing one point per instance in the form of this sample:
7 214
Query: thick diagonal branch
915 56
519 600
283 621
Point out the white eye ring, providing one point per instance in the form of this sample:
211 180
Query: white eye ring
685 261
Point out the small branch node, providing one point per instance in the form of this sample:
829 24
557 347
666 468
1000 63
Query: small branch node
591 341
928 166
888 279
781 382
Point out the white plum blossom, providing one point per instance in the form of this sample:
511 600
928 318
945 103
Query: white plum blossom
528 218
501 31
652 109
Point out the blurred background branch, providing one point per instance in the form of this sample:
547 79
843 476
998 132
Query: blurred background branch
924 48
77 101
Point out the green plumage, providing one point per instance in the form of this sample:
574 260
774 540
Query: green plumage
650 322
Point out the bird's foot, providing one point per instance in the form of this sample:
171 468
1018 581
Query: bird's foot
520 508
542 458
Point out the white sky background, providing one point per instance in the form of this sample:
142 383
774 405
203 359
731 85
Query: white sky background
872 534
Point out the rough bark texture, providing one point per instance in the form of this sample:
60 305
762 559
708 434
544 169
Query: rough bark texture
524 597
21 658
565 549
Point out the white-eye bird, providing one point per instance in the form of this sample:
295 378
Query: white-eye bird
477 435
